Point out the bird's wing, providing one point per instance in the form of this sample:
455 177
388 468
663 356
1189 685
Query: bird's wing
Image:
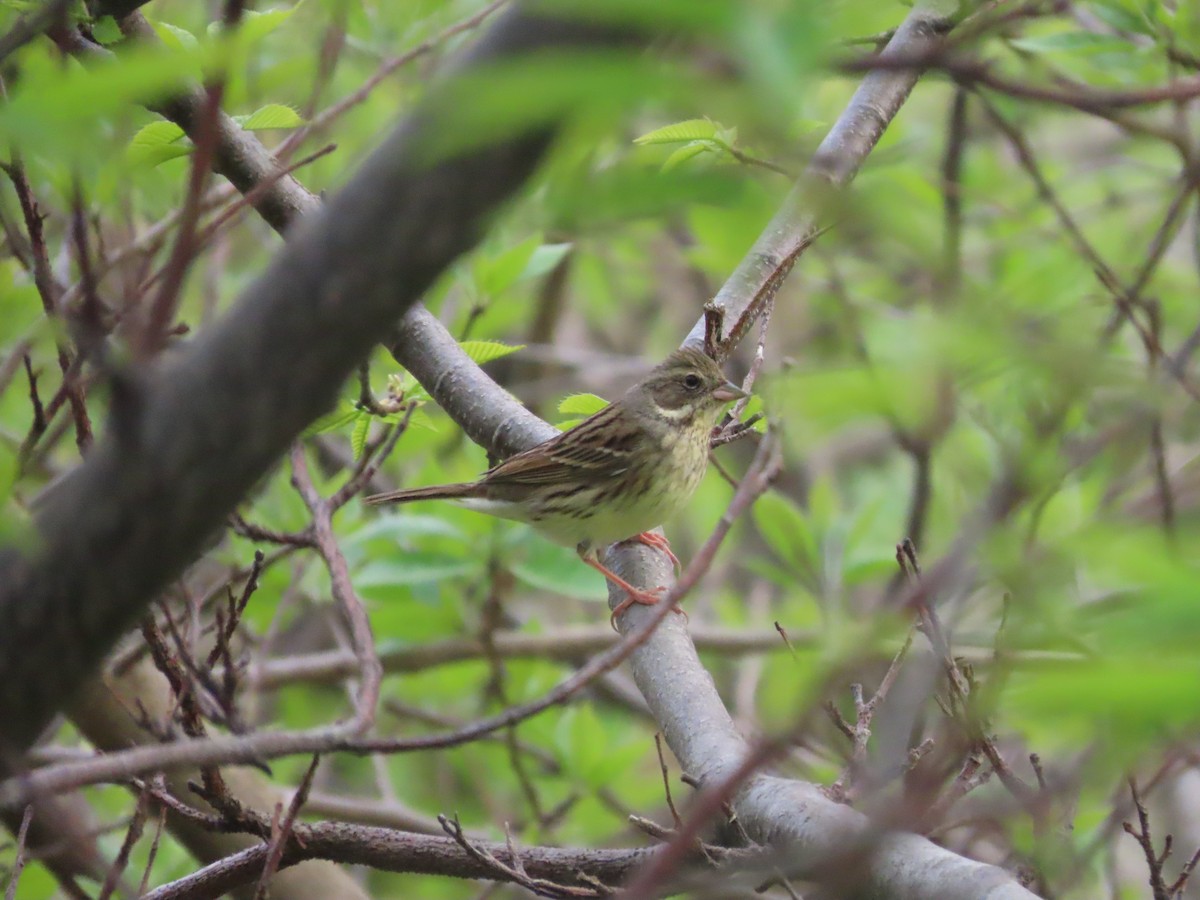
593 451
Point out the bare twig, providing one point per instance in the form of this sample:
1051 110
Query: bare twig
514 872
162 309
666 779
132 835
159 825
352 609
1154 859
19 860
848 785
282 831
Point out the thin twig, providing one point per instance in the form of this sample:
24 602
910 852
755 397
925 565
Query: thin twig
666 779
132 835
282 834
351 606
19 860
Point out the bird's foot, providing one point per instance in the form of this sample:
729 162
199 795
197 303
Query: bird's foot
646 597
658 542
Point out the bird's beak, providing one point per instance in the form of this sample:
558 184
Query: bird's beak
727 392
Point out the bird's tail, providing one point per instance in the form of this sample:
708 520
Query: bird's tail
435 492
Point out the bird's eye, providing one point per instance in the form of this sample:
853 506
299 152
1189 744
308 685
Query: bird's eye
692 382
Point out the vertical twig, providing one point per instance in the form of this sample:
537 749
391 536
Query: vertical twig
19 861
351 606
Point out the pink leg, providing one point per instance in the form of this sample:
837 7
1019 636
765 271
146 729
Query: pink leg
658 542
633 594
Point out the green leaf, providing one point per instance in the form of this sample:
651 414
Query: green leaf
497 272
418 567
174 37
343 415
418 419
358 437
581 404
786 530
582 741
254 25
591 750
399 528
686 152
1123 17
54 106
156 143
679 132
106 31
544 259
482 352
557 570
1138 696
273 115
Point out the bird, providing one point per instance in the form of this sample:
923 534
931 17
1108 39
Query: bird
617 474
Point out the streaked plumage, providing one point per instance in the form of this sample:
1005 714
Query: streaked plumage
624 470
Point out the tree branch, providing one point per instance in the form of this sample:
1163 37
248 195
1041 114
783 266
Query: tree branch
791 816
397 851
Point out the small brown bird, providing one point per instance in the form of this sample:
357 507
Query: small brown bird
614 476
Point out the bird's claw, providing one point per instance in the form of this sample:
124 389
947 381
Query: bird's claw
650 597
658 542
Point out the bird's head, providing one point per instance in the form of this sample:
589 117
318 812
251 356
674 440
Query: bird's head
687 388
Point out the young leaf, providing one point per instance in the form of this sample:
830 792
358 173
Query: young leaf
543 259
497 272
679 132
254 26
1123 18
273 115
581 404
548 567
482 352
106 31
358 437
156 143
408 568
340 417
174 37
686 152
